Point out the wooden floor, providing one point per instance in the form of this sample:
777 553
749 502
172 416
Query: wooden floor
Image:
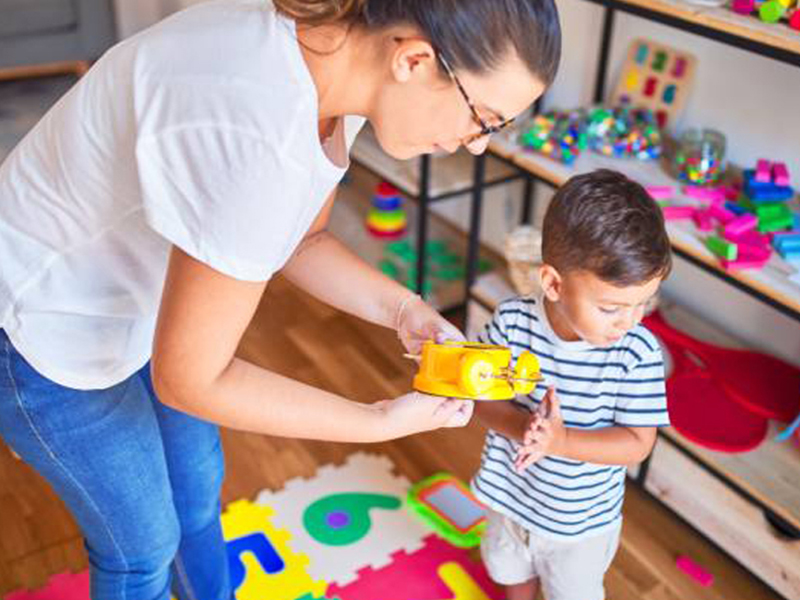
297 336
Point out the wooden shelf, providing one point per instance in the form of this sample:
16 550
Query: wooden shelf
772 282
769 473
348 224
449 173
719 19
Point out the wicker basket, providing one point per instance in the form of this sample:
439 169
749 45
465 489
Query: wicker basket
523 251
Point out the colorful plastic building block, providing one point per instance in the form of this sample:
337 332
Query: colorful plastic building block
771 11
695 571
448 506
675 213
703 220
721 214
475 371
794 20
780 174
740 225
743 7
704 193
722 248
763 171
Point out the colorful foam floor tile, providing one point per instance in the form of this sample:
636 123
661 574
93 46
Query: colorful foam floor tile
64 586
438 571
347 517
262 561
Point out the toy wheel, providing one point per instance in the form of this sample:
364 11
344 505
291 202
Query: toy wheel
527 368
477 374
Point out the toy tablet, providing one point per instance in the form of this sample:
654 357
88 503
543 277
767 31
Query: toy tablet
475 371
449 508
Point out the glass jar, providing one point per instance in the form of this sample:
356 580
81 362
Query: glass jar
700 157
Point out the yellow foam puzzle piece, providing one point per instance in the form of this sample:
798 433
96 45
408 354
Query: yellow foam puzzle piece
243 518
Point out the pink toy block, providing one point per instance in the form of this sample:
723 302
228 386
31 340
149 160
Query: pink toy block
731 192
721 214
751 238
675 213
417 576
703 193
740 225
703 220
660 192
695 571
743 7
780 174
743 263
754 253
763 171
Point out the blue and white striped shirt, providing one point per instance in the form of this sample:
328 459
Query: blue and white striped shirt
621 385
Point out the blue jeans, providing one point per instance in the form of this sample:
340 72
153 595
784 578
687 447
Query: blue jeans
141 479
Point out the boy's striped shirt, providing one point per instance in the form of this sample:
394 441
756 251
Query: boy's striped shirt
621 385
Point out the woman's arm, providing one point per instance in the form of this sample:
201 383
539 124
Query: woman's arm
202 318
329 271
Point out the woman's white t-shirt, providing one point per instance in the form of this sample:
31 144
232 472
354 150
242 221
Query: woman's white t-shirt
200 132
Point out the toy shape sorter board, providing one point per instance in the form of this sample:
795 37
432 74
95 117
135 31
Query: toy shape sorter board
347 517
657 77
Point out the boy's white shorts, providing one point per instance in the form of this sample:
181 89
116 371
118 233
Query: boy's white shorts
568 570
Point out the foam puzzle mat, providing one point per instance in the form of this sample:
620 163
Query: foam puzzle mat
343 534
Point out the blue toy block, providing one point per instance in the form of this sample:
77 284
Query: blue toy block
391 203
774 194
787 241
735 208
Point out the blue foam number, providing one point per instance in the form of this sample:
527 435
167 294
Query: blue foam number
262 549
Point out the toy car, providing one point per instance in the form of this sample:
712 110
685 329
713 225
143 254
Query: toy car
475 371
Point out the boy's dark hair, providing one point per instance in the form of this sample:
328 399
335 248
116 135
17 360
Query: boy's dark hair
604 223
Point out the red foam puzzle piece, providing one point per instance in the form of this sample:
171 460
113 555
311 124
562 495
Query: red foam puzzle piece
414 576
64 586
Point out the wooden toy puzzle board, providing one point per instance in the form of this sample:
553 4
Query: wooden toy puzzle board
657 77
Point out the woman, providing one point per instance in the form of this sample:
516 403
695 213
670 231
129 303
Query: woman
142 218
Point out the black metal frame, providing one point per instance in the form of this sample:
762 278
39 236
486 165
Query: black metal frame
611 6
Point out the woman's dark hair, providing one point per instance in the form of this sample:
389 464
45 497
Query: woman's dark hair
604 223
473 35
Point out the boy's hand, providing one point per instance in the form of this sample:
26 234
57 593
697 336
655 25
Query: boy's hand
545 434
418 322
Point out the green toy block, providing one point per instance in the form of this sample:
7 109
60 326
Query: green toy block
451 274
772 210
388 268
722 248
775 224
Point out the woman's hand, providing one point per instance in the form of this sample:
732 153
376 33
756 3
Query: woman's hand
415 412
418 322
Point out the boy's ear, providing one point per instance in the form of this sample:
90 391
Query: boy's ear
551 282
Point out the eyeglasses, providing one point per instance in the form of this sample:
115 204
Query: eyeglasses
486 130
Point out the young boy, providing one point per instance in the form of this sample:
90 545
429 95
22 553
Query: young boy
553 467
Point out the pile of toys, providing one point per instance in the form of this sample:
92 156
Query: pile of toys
621 132
441 264
745 222
387 218
558 135
624 132
770 11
